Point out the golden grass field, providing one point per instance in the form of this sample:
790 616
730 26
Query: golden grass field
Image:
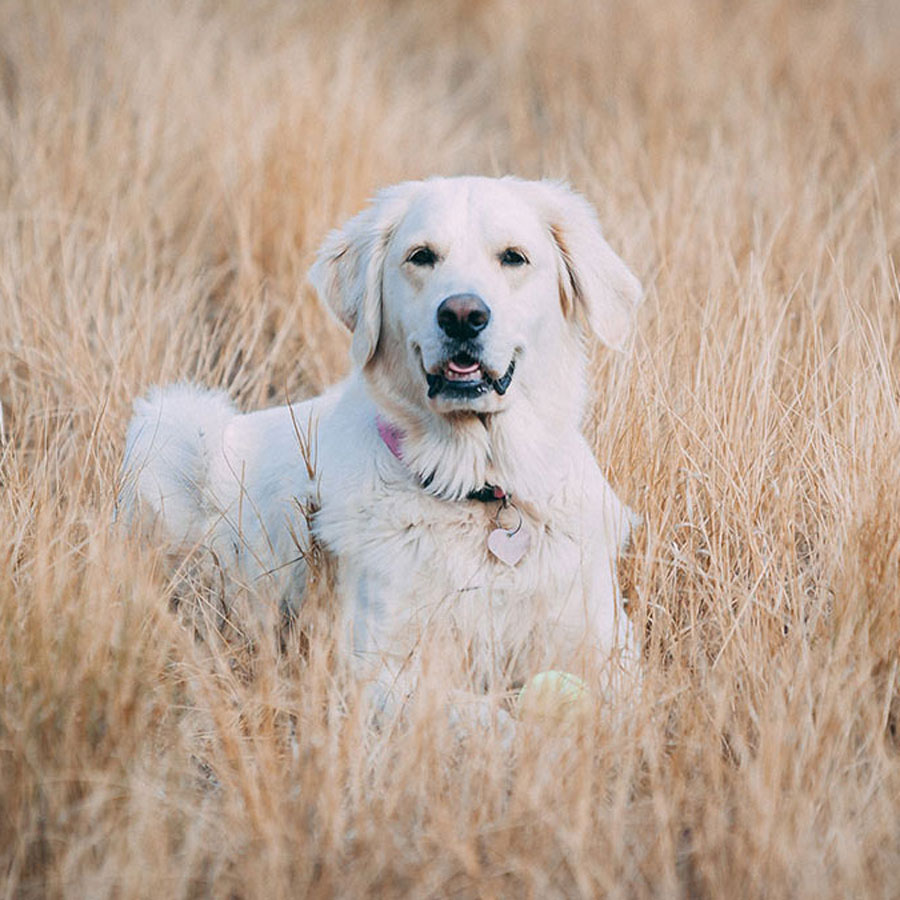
166 173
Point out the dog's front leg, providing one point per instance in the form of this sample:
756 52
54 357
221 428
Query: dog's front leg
592 635
384 634
383 663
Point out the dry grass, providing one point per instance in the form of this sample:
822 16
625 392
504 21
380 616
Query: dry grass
166 172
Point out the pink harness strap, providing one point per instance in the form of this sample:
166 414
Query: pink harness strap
391 435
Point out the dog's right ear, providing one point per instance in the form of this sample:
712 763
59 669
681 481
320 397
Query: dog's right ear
347 273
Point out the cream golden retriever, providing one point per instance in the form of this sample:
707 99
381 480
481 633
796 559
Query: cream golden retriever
450 481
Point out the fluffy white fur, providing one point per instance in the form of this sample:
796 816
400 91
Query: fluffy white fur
408 546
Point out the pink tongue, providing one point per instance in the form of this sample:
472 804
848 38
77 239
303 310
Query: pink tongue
462 370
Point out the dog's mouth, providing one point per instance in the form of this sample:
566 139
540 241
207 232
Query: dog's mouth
463 375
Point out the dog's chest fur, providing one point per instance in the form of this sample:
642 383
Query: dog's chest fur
400 540
405 559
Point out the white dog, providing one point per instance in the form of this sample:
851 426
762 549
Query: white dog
449 479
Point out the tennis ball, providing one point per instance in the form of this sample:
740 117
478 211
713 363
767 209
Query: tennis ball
557 695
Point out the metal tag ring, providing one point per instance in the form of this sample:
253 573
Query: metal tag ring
509 505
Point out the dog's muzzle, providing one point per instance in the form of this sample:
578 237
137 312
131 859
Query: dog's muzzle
462 318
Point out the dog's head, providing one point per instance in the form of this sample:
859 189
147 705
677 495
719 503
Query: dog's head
461 291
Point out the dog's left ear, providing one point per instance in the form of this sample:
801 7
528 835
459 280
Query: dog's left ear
347 273
593 280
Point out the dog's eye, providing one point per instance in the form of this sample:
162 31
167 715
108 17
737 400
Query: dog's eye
512 257
422 256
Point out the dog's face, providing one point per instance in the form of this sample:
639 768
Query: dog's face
459 291
469 287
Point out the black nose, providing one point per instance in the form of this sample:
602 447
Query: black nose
462 316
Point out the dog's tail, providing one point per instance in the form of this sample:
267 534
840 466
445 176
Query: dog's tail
175 438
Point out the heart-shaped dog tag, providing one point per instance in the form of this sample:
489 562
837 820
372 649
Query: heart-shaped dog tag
509 546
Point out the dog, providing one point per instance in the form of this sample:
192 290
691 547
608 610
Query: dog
447 477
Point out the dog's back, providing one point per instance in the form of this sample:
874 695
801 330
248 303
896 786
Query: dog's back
174 440
197 473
